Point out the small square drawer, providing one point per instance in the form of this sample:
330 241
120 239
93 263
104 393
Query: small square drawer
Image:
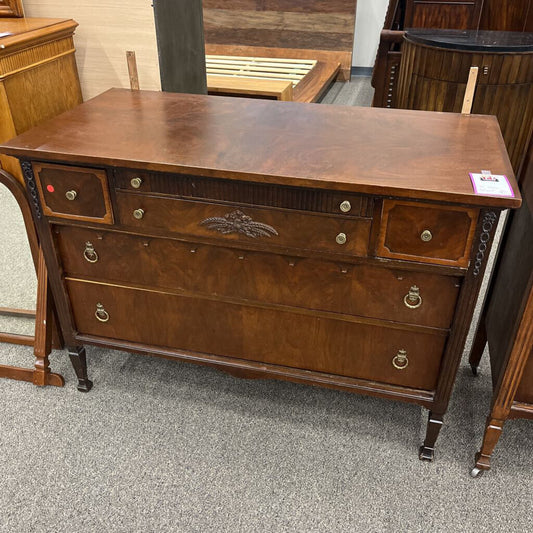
74 192
427 233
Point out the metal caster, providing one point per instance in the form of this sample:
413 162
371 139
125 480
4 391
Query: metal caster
474 369
426 454
476 472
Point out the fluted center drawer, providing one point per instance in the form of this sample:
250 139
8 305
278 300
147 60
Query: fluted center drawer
271 227
382 354
364 290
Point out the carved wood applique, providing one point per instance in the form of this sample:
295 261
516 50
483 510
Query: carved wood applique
238 222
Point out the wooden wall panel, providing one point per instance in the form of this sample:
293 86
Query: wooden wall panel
308 24
104 35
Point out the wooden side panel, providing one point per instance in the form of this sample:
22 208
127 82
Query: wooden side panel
525 389
44 97
449 14
304 24
507 15
514 281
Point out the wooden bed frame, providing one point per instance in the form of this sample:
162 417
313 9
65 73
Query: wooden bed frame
293 30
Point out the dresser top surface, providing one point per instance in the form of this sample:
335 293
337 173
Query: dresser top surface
385 152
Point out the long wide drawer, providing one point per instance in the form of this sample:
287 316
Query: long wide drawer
366 351
318 284
272 227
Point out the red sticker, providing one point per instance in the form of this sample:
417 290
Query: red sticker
50 188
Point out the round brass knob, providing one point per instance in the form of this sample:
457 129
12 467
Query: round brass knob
426 235
136 182
341 238
138 213
400 360
345 206
413 300
101 314
71 195
90 253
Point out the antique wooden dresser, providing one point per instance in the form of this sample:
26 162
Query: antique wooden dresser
334 246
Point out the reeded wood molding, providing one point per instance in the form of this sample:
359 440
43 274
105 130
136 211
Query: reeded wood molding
36 55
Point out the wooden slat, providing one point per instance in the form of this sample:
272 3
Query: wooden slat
258 68
326 56
294 6
233 85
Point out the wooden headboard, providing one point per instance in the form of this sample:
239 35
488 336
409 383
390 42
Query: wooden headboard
11 8
315 25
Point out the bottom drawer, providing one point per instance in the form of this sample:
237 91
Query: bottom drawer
286 338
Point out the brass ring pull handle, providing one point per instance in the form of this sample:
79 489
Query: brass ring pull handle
413 300
341 238
71 195
138 214
90 253
400 360
426 235
101 314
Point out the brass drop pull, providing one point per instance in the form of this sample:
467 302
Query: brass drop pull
341 238
136 182
400 360
426 235
138 214
413 300
90 253
71 195
101 314
345 206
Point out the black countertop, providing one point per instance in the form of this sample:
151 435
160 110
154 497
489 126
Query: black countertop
473 40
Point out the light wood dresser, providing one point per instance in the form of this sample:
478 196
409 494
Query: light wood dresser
38 75
334 246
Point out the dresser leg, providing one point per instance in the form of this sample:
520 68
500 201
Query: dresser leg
78 359
478 345
427 451
493 431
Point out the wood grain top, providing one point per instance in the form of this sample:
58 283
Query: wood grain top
405 154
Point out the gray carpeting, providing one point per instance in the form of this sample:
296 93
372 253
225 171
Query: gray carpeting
164 446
